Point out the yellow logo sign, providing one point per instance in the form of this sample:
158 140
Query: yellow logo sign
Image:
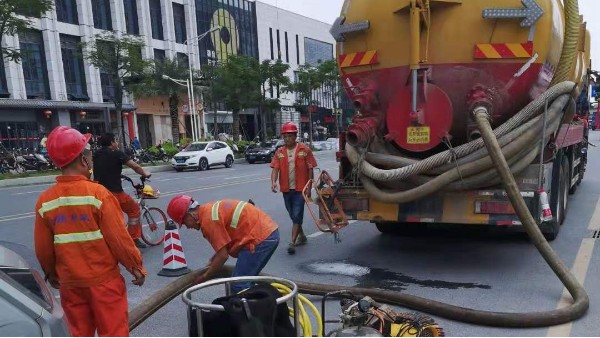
417 135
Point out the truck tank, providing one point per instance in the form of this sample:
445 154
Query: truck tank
416 69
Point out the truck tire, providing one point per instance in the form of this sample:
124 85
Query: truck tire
558 197
401 228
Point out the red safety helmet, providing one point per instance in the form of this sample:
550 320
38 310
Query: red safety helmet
64 144
178 207
289 127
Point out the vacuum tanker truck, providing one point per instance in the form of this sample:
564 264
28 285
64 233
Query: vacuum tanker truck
417 70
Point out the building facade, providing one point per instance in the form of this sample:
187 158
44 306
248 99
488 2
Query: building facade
54 85
295 40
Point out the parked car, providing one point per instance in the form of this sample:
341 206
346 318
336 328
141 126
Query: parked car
28 306
203 155
322 145
262 152
335 143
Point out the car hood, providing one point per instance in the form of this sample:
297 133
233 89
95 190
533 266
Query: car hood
189 153
9 258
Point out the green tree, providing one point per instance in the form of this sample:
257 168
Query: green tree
272 77
157 83
330 78
120 58
12 24
237 86
308 79
207 76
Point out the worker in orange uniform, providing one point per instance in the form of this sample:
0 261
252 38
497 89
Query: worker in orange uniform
109 162
293 164
80 240
233 228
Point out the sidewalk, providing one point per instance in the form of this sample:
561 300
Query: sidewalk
22 181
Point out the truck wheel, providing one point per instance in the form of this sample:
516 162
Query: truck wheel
560 188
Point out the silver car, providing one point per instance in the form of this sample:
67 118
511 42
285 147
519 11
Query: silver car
28 307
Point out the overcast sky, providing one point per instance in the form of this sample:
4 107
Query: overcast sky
328 10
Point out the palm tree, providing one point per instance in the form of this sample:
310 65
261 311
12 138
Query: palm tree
157 83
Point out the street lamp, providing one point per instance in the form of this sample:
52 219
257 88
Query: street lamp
184 83
193 99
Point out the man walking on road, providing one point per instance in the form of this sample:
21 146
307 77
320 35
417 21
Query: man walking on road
233 228
108 166
79 242
293 165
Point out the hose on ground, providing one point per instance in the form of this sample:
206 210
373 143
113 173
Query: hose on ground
304 320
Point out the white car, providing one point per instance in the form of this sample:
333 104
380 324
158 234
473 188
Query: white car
203 155
335 143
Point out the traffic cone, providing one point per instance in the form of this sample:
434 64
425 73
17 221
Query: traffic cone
174 264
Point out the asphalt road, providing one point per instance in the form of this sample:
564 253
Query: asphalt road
483 270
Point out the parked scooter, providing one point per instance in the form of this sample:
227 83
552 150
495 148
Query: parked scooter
31 161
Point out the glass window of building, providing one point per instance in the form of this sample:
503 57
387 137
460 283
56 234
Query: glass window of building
3 88
159 54
66 11
156 20
287 51
271 43
297 50
182 59
33 62
101 11
238 36
108 88
73 67
131 17
316 51
179 23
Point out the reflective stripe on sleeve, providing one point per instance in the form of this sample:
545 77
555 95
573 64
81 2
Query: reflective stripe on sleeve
236 214
69 201
215 211
78 237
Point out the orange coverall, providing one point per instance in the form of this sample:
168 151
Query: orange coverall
80 239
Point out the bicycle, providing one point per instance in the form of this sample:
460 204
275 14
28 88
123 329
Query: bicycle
153 219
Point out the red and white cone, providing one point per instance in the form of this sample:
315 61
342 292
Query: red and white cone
546 212
174 263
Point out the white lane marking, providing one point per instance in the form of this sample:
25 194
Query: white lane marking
15 215
319 233
28 192
234 177
16 218
213 187
316 234
580 269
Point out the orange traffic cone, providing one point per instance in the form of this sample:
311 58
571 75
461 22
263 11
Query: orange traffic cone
174 264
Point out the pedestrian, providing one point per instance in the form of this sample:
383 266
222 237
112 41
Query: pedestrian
79 243
109 162
136 144
305 137
233 228
293 166
43 142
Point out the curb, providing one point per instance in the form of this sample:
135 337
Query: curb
22 181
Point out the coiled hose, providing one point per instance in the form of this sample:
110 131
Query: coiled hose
304 320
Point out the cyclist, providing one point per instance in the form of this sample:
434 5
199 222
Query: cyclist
108 165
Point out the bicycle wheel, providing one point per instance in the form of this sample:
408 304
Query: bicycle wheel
153 226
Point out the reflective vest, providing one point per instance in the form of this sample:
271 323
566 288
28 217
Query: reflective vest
76 219
235 224
303 160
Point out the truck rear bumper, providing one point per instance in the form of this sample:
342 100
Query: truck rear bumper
490 207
